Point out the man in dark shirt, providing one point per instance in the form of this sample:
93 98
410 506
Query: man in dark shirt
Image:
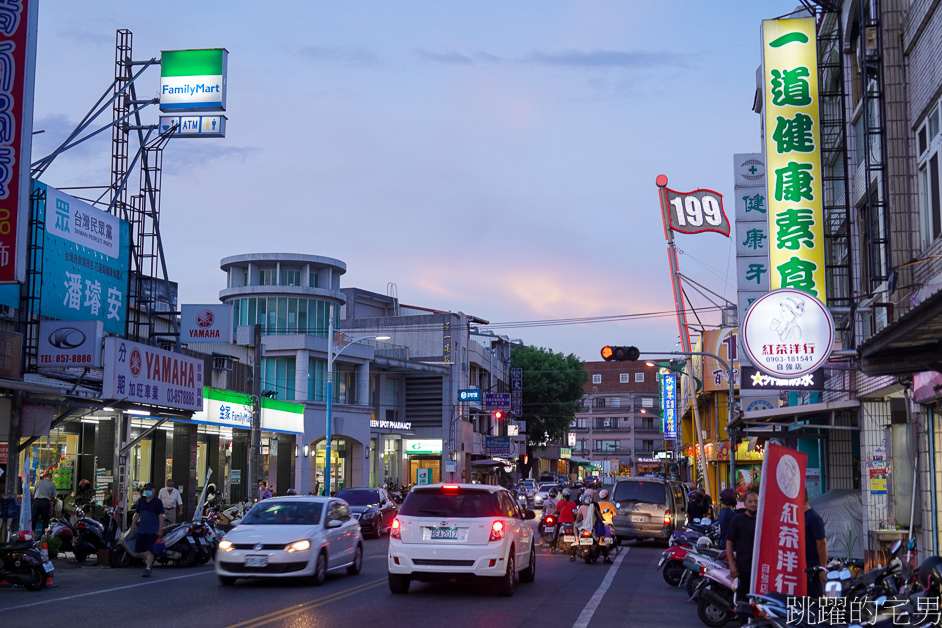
149 521
739 541
816 549
727 514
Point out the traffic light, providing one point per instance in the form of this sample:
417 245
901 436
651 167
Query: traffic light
620 354
498 414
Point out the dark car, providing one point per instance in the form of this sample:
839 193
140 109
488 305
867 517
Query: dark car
372 507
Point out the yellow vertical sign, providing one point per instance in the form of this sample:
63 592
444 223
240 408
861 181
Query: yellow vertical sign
793 156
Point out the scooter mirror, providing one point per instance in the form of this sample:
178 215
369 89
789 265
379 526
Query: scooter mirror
845 574
834 575
705 521
896 547
697 521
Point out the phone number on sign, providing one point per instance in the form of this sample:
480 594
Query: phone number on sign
75 358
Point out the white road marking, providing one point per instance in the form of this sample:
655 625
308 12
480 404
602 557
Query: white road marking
127 586
586 615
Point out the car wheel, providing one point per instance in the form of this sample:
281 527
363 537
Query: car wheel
357 564
505 583
226 581
377 528
320 569
399 583
529 574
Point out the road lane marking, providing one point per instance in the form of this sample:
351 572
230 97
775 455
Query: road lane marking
127 586
583 620
299 608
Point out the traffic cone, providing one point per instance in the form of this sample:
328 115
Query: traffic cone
45 554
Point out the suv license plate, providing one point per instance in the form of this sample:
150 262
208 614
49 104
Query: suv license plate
444 533
256 561
569 538
637 519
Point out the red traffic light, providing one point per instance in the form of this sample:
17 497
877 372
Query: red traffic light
498 414
620 354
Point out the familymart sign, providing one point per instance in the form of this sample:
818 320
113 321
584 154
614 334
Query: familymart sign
193 80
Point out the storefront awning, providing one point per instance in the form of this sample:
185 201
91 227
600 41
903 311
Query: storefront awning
789 417
488 463
582 462
911 344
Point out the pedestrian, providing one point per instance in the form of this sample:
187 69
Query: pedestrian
816 549
263 492
707 503
727 514
742 534
44 493
148 521
172 501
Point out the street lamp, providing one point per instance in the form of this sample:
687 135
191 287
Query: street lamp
331 356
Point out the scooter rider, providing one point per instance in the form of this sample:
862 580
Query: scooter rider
566 513
549 507
585 519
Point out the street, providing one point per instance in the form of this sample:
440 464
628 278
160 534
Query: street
628 593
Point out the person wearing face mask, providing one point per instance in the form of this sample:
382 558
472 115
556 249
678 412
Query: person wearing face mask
173 503
739 541
148 521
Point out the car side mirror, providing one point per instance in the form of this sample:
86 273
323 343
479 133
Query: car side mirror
334 523
529 514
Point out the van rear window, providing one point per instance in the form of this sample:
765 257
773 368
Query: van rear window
641 492
440 502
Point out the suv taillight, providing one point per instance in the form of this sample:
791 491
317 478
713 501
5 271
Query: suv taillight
667 517
497 531
394 531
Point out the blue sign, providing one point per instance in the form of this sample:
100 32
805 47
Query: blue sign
86 255
669 405
498 446
469 394
193 126
496 401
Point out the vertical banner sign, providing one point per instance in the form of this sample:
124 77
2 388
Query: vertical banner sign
86 255
669 405
516 392
778 554
752 229
796 222
17 73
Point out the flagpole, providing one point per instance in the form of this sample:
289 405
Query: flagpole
681 316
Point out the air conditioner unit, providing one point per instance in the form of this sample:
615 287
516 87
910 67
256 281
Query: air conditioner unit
222 363
871 49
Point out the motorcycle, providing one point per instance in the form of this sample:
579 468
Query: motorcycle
63 530
21 562
566 538
182 549
548 524
92 535
716 596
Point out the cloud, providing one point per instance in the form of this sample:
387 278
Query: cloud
446 58
56 127
343 55
196 153
87 37
604 59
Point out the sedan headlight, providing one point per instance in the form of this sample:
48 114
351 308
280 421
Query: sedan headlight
368 514
298 546
226 546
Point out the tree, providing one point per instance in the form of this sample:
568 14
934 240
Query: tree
552 392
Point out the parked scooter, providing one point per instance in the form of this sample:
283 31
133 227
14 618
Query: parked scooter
62 530
716 604
92 535
182 549
21 562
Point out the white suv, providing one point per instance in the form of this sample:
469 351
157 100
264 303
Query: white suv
458 532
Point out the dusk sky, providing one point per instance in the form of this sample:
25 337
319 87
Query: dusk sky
495 158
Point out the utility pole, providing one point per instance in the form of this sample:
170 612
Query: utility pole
255 444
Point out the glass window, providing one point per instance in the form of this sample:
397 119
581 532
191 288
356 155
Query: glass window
647 402
290 277
284 513
262 313
933 124
640 492
253 311
321 320
639 378
599 402
292 315
596 378
624 378
272 325
282 315
460 502
302 316
614 402
278 375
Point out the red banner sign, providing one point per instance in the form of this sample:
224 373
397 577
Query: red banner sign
778 555
17 69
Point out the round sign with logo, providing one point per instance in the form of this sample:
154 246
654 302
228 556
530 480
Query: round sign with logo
788 333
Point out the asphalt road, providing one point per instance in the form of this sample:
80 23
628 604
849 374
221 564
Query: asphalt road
628 593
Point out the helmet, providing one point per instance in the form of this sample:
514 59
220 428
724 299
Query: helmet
704 541
586 499
603 494
728 497
24 535
566 493
693 496
291 491
553 493
929 574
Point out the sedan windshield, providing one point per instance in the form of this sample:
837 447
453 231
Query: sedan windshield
284 513
359 498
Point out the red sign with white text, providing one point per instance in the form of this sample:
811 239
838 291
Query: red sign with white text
778 555
17 66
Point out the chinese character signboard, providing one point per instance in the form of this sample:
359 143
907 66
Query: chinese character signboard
516 392
669 405
697 211
17 71
752 229
788 333
498 446
793 156
193 80
143 374
721 342
778 555
86 253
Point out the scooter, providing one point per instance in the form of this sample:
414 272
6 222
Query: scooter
63 530
92 535
716 595
181 550
549 531
566 538
21 562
